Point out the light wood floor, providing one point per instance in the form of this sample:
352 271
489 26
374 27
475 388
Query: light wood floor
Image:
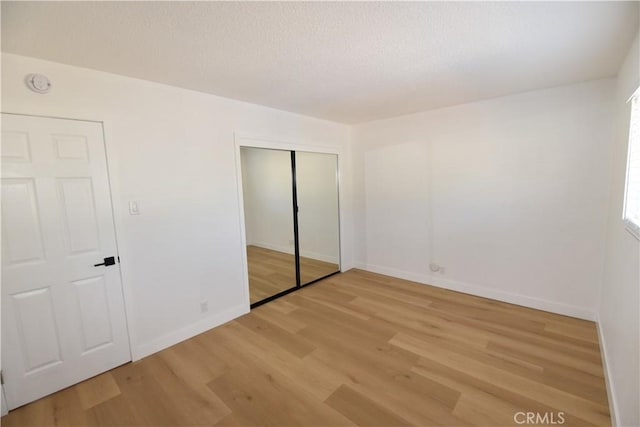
271 272
357 348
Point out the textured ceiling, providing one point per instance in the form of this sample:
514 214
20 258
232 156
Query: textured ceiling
347 62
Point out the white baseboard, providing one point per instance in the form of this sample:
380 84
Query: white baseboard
289 250
4 408
320 257
192 330
483 291
608 378
280 248
360 265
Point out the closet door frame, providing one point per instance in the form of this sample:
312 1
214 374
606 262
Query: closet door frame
253 141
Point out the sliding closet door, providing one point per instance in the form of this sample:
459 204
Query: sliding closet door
318 217
268 209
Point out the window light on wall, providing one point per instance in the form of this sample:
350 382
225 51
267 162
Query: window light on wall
631 211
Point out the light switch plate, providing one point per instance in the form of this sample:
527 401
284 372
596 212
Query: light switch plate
133 208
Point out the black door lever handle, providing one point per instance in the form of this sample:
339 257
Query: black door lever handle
107 262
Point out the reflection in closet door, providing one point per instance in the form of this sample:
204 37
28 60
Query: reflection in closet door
318 217
268 209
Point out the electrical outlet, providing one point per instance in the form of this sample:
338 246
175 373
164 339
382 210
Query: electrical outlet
204 306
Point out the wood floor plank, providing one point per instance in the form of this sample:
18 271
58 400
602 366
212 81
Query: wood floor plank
145 397
60 409
38 413
311 312
97 390
572 331
592 412
486 399
351 311
198 404
294 344
394 387
417 319
271 314
192 362
116 412
257 398
362 411
357 348
255 350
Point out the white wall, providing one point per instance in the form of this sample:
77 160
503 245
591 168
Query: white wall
620 298
509 195
172 150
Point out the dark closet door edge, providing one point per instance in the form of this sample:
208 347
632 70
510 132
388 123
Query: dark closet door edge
296 240
320 278
272 297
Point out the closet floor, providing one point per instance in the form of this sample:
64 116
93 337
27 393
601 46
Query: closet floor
271 272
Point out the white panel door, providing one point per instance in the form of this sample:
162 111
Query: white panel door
63 318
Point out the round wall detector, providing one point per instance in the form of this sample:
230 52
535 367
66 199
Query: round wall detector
38 83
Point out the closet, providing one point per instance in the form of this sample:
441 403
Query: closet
291 214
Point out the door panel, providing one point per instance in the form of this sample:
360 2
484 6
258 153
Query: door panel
318 217
63 319
94 313
72 147
15 146
21 223
78 209
40 343
268 202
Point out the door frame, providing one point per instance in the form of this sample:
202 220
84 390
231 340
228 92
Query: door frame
246 139
4 407
117 211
